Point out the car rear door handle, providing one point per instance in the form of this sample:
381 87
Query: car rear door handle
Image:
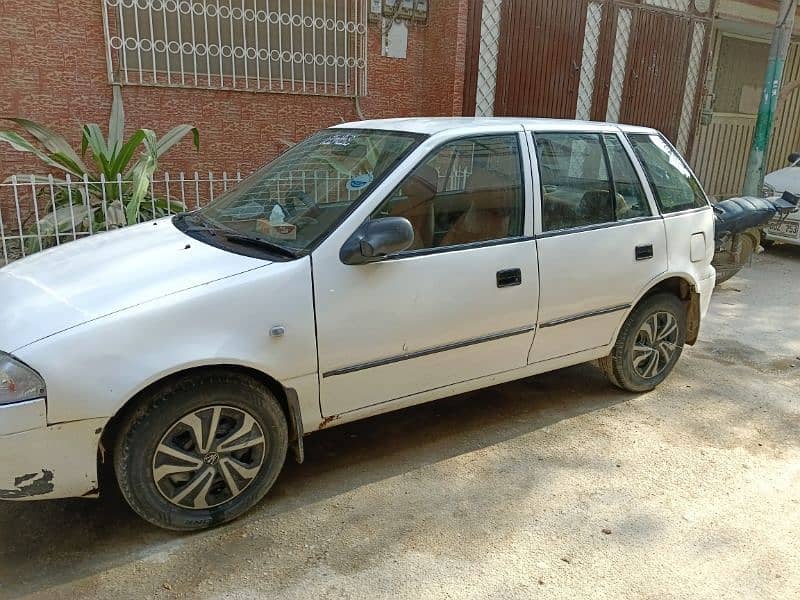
509 278
644 252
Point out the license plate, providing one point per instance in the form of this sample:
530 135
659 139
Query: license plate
788 229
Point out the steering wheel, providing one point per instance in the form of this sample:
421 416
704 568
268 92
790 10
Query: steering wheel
302 197
304 218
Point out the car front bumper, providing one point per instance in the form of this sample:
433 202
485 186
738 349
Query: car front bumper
784 229
774 237
39 462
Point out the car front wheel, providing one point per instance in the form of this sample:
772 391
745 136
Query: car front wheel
201 451
649 344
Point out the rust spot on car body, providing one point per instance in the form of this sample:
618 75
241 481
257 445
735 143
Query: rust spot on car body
35 485
327 421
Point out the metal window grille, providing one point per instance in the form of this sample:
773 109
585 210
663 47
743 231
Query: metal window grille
292 46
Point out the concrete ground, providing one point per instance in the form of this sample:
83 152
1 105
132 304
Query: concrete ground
558 486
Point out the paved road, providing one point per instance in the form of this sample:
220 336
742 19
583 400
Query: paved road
502 493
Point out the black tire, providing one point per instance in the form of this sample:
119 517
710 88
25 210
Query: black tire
619 366
765 243
230 397
725 273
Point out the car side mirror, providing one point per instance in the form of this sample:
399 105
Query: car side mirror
376 239
794 158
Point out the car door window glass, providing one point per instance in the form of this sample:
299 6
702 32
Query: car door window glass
631 200
673 184
576 188
467 191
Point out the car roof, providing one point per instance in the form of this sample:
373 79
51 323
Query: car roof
434 125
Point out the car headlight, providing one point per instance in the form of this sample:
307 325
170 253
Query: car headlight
769 191
18 382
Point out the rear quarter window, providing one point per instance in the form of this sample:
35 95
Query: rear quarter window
673 184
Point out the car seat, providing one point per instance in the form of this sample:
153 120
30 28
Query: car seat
419 190
489 215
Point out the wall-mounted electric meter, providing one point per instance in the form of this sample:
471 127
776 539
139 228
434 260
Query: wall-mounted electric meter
409 10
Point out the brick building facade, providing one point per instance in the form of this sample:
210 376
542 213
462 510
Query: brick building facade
551 58
53 69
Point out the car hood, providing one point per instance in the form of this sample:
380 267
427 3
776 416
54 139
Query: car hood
783 180
63 287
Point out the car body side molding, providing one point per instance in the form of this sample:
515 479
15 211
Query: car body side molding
586 315
428 351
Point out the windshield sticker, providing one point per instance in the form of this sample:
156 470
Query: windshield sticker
339 139
359 182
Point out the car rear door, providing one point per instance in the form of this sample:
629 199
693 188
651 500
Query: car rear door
599 237
688 216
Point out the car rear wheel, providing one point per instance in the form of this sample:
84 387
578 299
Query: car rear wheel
201 451
649 344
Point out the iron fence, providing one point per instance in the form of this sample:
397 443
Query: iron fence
40 212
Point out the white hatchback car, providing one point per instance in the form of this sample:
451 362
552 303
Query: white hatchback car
784 229
374 266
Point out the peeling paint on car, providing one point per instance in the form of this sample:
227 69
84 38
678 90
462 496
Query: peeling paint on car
38 486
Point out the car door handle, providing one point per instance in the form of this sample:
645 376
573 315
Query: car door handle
644 252
509 278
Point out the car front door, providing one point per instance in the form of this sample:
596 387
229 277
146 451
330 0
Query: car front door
458 305
600 240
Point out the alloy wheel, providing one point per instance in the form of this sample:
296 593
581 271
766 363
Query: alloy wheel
655 344
209 457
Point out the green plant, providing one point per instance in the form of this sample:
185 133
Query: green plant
97 200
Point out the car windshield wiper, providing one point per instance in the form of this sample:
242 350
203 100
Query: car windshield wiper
193 222
199 224
259 243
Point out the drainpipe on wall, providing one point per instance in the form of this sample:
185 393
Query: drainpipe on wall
754 177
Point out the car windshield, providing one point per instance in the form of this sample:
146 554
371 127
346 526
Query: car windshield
295 200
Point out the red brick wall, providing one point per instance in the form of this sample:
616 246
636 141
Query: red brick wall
444 59
53 70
